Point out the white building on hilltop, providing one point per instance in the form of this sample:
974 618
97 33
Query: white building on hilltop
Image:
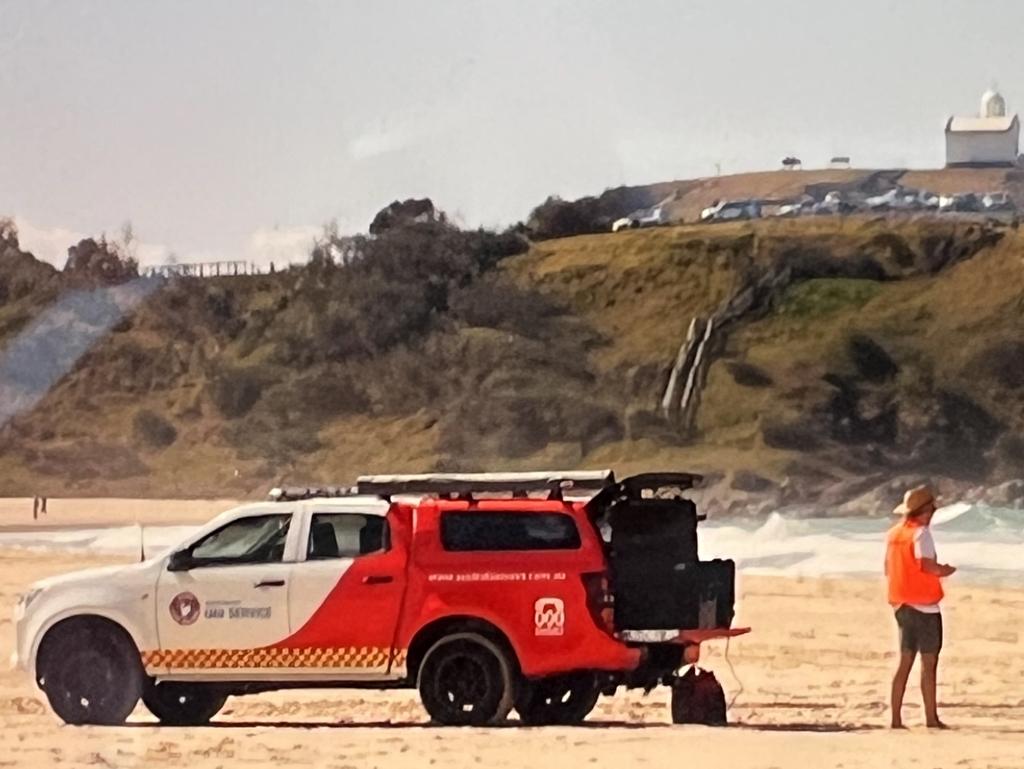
990 139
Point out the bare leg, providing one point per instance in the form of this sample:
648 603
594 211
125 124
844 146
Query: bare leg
929 667
899 686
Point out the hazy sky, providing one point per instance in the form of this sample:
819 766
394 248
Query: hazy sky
235 129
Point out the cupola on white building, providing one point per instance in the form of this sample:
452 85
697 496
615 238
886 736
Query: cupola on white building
990 139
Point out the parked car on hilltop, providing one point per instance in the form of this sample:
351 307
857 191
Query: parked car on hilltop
789 210
948 202
730 210
998 201
646 217
833 203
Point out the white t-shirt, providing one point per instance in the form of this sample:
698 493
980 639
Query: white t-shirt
924 547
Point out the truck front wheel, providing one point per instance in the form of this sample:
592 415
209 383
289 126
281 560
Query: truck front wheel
177 704
466 680
90 671
566 699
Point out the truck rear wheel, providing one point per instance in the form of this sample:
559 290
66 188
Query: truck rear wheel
177 704
90 671
566 699
466 680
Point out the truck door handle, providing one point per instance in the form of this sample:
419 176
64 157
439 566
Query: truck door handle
270 583
377 579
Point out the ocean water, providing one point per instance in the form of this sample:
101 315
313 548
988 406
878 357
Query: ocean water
116 540
985 543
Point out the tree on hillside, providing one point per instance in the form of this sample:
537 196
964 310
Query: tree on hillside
21 274
360 296
99 263
127 245
406 212
557 218
8 232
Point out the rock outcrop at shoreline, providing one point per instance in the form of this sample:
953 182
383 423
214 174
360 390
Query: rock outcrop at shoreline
873 497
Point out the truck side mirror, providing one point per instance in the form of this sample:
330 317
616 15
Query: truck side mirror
180 561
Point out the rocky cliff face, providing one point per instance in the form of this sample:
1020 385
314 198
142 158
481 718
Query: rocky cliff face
869 350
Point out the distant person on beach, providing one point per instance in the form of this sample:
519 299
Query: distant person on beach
915 590
38 506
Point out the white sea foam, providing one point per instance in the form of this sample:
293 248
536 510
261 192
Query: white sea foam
120 540
984 543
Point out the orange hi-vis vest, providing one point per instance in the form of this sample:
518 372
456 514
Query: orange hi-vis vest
907 582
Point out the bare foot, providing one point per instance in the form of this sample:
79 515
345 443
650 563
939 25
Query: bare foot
897 725
936 724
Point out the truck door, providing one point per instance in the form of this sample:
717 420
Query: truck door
224 598
346 592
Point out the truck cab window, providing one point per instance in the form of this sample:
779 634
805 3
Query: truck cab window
255 539
346 535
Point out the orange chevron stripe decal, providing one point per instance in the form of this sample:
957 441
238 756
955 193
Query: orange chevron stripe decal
364 658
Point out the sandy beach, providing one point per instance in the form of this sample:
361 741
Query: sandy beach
16 512
809 688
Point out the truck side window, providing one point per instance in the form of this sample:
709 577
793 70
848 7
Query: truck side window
255 539
508 531
346 535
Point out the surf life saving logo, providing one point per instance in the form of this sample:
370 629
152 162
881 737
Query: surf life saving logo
549 617
184 608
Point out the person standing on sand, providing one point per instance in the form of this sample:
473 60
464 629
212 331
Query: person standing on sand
915 590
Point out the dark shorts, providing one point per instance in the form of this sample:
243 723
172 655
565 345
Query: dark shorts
919 631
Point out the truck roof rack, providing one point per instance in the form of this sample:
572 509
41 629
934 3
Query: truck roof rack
466 484
292 493
555 483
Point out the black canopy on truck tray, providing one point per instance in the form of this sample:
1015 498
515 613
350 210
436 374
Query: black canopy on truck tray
633 488
658 578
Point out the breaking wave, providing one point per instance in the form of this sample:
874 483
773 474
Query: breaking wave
983 542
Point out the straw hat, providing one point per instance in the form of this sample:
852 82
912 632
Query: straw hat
914 500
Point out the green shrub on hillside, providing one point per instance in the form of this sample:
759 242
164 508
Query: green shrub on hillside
21 274
801 434
501 304
1000 361
385 292
824 296
870 359
151 429
262 437
1009 451
329 392
235 391
748 375
557 218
